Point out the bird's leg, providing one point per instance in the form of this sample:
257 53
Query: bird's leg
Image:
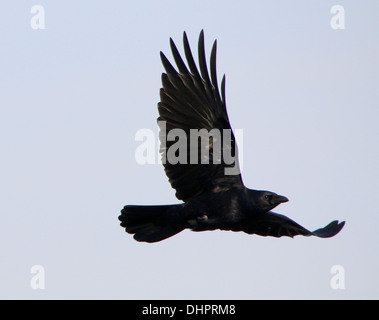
202 218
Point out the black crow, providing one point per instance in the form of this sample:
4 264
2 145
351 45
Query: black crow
200 158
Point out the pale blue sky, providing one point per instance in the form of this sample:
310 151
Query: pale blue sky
74 95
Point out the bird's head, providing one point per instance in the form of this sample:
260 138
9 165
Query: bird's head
267 200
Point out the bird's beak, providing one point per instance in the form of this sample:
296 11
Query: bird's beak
278 199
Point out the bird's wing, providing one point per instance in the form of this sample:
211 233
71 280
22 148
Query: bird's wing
191 100
277 225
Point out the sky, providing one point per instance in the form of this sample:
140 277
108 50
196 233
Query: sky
76 90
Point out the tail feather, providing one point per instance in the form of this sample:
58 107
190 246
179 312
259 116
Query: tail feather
150 223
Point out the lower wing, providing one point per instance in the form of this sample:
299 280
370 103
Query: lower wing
277 225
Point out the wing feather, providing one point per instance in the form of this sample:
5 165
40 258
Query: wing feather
277 225
191 100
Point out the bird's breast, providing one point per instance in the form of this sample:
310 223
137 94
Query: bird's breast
216 211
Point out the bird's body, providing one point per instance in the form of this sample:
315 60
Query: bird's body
224 211
228 210
206 175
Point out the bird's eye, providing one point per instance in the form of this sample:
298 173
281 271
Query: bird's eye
267 197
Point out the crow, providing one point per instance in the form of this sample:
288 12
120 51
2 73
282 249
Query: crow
200 159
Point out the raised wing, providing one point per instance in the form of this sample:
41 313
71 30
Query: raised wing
277 225
197 144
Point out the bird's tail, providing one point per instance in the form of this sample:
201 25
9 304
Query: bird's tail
151 223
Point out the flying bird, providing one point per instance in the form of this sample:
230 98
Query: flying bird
207 181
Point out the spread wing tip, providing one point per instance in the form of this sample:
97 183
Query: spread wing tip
330 230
